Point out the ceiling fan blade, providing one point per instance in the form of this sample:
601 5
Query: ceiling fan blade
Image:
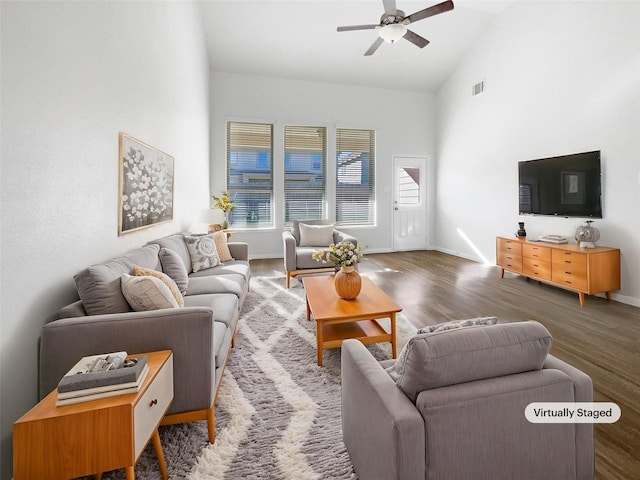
374 47
357 27
429 12
416 39
389 7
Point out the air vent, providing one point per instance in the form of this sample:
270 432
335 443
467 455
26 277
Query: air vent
477 89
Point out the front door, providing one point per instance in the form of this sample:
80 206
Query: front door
409 203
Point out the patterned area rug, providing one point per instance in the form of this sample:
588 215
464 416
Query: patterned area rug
278 412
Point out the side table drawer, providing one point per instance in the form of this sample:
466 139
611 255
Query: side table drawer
152 406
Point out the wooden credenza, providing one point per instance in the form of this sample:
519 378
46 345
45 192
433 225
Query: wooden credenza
583 270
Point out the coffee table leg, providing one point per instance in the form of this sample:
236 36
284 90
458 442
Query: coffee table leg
393 334
308 310
319 341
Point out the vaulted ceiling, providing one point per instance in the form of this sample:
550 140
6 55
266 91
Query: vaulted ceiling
298 40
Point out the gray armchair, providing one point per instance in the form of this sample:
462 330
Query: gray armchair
453 407
297 252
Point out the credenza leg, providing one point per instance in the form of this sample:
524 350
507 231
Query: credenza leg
609 296
581 295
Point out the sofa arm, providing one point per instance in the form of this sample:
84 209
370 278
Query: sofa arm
339 236
239 250
583 391
383 431
289 243
188 332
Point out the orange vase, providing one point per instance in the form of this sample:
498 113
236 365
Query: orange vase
348 283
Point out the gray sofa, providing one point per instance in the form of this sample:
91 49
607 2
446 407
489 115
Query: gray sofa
453 407
297 257
200 334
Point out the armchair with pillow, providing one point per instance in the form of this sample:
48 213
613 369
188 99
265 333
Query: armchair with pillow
453 407
304 238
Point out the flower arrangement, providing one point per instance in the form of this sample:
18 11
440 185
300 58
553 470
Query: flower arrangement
344 254
223 202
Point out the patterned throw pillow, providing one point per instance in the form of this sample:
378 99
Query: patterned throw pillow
442 327
164 278
146 293
220 239
202 250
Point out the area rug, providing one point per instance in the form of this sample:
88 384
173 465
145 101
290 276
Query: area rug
278 412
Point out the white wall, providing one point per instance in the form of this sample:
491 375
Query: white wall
74 74
561 77
403 122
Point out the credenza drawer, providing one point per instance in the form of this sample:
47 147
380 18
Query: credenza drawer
569 261
538 252
569 279
510 261
509 246
536 268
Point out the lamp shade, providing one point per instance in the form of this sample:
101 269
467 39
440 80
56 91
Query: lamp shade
393 32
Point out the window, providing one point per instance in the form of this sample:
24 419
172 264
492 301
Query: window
305 155
355 176
250 173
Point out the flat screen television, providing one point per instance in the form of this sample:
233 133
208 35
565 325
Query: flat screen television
564 186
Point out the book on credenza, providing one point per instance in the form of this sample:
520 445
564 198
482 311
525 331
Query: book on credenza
102 370
96 393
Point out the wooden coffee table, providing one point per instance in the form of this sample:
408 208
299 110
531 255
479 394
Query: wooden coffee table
338 319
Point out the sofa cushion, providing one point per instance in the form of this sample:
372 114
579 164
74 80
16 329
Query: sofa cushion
164 278
173 266
229 283
147 293
220 239
441 327
202 250
99 285
305 260
432 360
316 235
224 306
240 267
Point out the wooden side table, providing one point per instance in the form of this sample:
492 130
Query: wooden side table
58 443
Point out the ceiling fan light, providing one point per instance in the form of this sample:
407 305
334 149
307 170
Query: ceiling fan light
393 32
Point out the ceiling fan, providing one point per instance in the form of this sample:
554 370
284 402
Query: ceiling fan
393 24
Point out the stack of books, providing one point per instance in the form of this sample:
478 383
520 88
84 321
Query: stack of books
101 376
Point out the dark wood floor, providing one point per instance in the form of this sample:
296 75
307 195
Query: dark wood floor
600 339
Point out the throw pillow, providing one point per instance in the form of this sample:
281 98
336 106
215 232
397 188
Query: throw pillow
220 239
164 278
316 235
146 293
442 327
202 250
173 266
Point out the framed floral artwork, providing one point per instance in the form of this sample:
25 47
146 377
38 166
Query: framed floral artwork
145 184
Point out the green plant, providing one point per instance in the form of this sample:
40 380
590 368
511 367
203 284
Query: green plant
344 254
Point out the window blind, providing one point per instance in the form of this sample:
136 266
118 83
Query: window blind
305 155
250 173
355 176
